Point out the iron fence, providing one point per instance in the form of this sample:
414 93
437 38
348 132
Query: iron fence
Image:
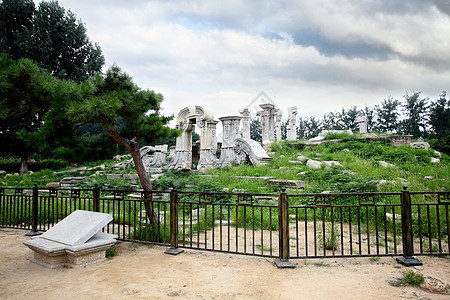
271 225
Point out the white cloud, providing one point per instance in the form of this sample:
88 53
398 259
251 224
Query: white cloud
222 54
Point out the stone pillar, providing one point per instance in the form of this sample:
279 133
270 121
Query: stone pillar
278 127
230 133
267 122
208 144
292 128
183 148
362 122
245 123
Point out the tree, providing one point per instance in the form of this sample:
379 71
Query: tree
25 95
52 37
256 130
415 110
440 122
112 98
387 115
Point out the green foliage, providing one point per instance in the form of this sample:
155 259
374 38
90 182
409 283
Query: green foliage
49 35
413 278
111 252
14 166
338 136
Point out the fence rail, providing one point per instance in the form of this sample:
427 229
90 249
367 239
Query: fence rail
272 225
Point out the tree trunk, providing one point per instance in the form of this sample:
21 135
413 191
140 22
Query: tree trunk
133 147
23 165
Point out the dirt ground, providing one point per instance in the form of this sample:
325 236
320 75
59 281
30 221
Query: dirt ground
142 271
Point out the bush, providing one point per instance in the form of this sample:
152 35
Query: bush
52 164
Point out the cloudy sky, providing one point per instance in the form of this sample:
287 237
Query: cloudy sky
318 55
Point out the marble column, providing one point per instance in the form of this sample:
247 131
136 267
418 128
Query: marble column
292 128
278 127
230 133
245 123
183 148
362 122
208 144
267 122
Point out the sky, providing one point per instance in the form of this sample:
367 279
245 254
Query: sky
318 55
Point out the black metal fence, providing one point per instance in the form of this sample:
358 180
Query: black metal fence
271 225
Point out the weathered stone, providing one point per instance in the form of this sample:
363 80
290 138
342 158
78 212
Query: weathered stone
113 176
301 173
130 176
362 123
288 183
386 164
71 171
292 128
52 185
101 167
2 172
302 158
331 163
267 122
155 171
313 164
428 177
435 160
420 144
249 149
72 181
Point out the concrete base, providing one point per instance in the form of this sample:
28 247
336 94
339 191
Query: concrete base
284 264
52 254
33 233
174 251
409 261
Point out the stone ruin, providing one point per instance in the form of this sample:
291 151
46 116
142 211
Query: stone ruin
237 146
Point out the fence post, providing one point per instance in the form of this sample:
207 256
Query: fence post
34 212
407 233
283 229
96 196
174 250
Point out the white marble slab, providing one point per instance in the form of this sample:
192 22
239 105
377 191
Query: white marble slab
77 228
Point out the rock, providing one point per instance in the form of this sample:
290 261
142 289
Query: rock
52 185
70 181
386 164
8 175
346 150
156 176
101 167
437 153
16 174
295 162
71 171
435 160
130 176
155 170
288 183
349 172
30 172
113 176
435 285
302 158
2 172
121 157
428 177
331 163
313 164
301 173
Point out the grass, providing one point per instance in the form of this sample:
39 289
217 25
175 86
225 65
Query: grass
409 277
111 252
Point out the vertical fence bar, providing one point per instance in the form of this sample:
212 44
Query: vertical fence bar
407 234
96 198
283 227
174 250
34 213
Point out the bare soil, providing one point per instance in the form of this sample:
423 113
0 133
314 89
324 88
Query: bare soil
143 271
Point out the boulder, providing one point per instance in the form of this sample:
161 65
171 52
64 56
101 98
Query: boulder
52 185
130 176
331 163
386 164
300 184
302 158
113 176
435 160
313 164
